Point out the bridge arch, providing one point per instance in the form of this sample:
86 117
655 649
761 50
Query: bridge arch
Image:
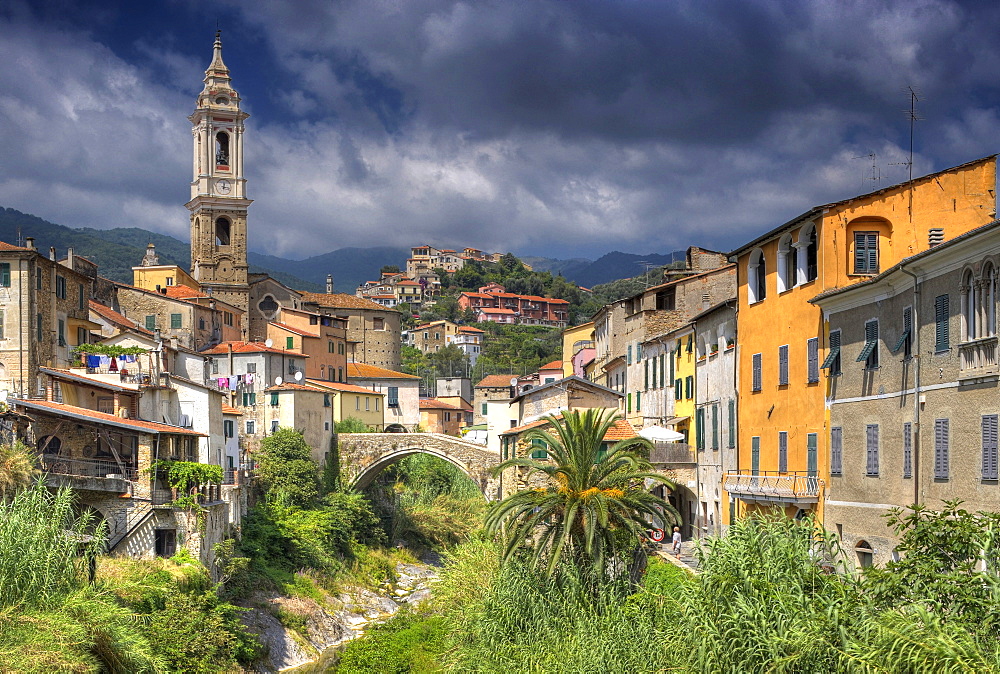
364 455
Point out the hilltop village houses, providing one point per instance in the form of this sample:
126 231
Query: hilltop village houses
839 365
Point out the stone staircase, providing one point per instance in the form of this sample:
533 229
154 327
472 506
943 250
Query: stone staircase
125 520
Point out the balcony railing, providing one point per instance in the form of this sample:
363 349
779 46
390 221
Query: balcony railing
978 357
773 486
87 468
672 452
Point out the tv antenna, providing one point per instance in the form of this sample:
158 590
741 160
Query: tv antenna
874 174
912 115
646 265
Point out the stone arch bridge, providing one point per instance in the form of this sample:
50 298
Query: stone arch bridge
364 455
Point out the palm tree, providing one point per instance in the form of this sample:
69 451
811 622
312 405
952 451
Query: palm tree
17 464
595 504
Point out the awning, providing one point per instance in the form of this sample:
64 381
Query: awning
660 434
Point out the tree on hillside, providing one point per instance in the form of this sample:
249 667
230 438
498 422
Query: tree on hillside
470 276
450 361
389 269
594 508
286 469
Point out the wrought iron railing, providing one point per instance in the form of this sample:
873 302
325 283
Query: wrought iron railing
772 484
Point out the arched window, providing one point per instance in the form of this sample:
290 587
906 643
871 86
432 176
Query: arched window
222 148
865 554
969 305
756 276
989 301
805 248
222 231
786 264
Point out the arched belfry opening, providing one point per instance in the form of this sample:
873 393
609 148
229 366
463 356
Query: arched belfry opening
222 148
222 229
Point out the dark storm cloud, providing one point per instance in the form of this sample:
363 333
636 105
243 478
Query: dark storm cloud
542 126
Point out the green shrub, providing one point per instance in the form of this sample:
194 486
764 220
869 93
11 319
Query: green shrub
408 642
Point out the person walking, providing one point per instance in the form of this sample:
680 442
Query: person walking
677 541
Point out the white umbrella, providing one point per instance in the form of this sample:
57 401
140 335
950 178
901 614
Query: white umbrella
660 434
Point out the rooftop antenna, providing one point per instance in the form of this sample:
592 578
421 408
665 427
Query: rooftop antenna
647 265
912 115
874 174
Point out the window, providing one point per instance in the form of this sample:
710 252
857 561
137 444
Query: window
989 424
201 323
5 274
865 252
907 449
222 148
941 337
662 377
340 348
38 278
732 424
251 368
989 301
666 300
628 403
378 324
357 403
869 353
82 299
970 302
251 429
228 429
326 400
638 401
222 226
151 322
2 321
61 332
905 338
812 359
447 416
871 450
289 342
786 264
645 375
756 277
249 399
782 451
756 384
538 450
368 403
690 346
170 280
175 321
60 287
482 408
227 317
274 425
678 389
836 451
340 374
652 368
783 365
755 455
628 358
274 400
689 387
376 404
699 429
832 362
329 346
812 459
941 449
865 554
806 255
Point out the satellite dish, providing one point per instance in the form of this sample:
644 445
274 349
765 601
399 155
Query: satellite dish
513 381
269 343
298 376
278 381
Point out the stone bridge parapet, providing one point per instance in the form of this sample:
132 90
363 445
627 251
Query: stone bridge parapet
364 455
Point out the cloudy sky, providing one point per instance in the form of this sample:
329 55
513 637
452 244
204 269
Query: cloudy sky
546 127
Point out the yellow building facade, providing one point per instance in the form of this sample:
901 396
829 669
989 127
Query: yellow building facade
573 339
684 357
782 371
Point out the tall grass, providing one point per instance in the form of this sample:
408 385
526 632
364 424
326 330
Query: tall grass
45 549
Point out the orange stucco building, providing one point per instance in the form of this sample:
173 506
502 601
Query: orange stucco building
783 373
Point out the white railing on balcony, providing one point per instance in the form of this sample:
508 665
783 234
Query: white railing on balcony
773 485
978 356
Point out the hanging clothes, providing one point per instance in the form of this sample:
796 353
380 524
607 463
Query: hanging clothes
113 367
93 362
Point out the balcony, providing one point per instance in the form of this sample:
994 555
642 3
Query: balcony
978 357
94 475
774 487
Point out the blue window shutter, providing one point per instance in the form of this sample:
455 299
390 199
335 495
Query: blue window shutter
783 451
715 426
989 424
629 354
941 449
755 455
645 375
811 457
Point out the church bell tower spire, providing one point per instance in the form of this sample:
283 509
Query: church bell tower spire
218 202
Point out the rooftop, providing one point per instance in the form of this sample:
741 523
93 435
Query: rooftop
365 371
83 414
340 301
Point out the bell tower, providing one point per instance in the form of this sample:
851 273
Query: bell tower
218 203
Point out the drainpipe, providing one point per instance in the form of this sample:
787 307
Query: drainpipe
917 434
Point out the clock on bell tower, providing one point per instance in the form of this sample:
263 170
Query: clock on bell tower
218 203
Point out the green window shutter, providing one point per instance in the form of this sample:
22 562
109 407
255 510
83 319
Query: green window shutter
638 401
755 455
645 375
652 368
699 429
672 373
811 457
274 400
662 378
5 274
82 298
690 346
289 342
678 389
715 426
538 450
151 322
689 387
629 360
832 361
175 321
941 341
483 409
628 403
732 423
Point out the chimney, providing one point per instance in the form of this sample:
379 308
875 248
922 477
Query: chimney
52 253
329 284
30 242
69 257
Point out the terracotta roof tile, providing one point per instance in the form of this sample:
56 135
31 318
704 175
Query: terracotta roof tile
554 365
115 318
250 347
228 409
621 430
289 328
344 388
434 404
137 424
340 301
182 292
365 371
292 386
495 381
11 247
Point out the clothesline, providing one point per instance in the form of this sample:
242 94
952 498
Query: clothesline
235 382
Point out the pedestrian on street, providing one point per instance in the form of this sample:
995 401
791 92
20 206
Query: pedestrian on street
677 541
